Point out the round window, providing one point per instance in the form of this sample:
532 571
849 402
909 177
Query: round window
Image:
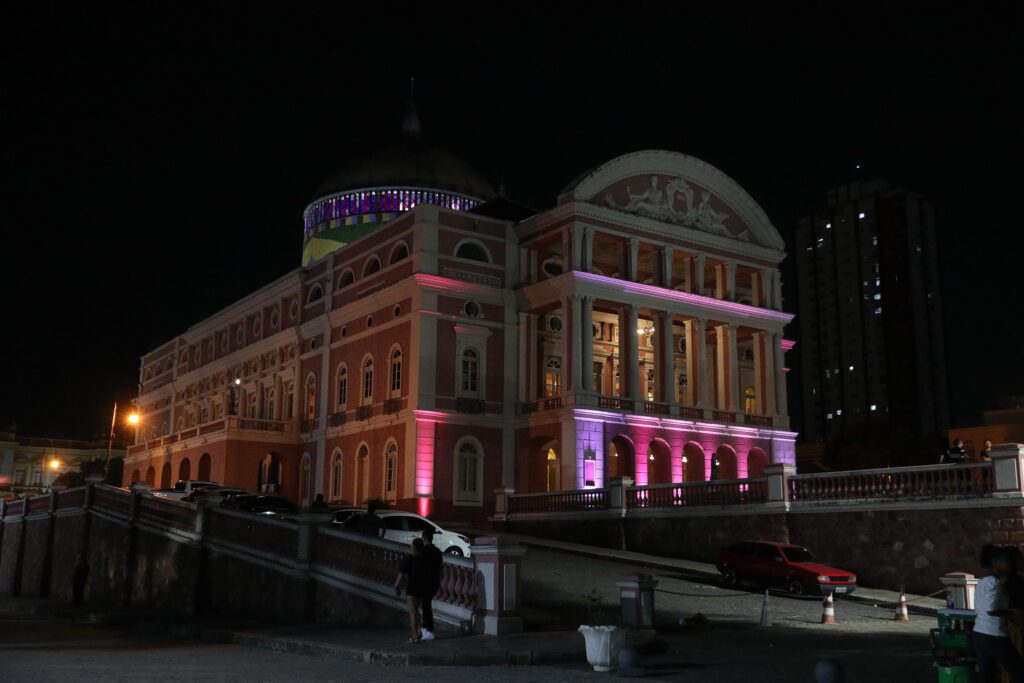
344 331
257 327
293 310
224 342
240 335
369 321
275 318
472 309
398 311
552 267
312 343
555 323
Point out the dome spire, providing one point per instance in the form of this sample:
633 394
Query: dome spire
411 122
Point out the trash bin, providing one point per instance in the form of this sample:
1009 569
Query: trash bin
951 646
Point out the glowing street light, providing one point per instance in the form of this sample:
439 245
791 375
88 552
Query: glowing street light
133 419
55 464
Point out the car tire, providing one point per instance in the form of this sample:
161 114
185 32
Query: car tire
730 577
454 552
795 587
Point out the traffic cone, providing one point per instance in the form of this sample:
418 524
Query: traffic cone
828 612
901 609
764 610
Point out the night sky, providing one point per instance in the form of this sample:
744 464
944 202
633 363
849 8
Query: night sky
156 166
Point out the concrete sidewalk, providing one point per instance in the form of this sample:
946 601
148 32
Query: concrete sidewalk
916 604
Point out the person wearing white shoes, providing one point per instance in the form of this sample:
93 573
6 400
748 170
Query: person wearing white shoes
432 565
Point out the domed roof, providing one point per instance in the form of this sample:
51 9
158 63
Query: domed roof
409 163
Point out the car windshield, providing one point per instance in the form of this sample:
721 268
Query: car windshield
276 504
797 554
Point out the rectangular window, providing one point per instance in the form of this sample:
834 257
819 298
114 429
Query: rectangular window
389 475
396 375
343 390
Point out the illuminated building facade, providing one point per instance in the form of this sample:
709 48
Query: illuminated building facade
439 343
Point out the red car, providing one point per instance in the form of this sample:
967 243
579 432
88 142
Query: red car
781 564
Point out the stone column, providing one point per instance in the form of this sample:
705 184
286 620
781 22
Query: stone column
698 274
730 281
722 366
631 347
633 259
587 341
763 292
776 290
665 267
667 359
781 400
777 476
764 387
573 333
524 363
587 249
694 353
734 370
498 563
688 274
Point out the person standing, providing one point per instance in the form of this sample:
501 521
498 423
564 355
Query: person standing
370 524
989 639
955 454
432 566
986 452
411 577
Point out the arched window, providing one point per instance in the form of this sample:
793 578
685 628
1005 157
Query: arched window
342 386
304 480
473 251
310 407
553 377
368 379
749 401
469 472
470 371
316 292
204 467
135 477
336 475
372 266
289 401
165 476
151 476
347 278
185 470
398 253
396 371
390 469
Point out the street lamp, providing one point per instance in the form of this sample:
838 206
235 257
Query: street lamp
55 464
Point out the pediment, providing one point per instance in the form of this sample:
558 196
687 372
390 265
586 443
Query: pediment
679 190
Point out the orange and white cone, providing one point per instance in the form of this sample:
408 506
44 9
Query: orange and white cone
828 612
901 609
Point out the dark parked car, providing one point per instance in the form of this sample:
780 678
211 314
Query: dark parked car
780 564
260 504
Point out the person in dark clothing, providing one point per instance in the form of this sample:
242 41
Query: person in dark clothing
370 524
955 454
412 577
319 504
432 566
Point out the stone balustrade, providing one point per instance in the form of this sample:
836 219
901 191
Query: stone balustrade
733 492
559 501
191 544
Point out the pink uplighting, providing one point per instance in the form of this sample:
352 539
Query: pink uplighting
424 456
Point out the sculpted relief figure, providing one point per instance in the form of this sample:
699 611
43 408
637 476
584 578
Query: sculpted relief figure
676 204
649 203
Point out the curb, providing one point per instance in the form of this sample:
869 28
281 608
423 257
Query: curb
387 657
920 610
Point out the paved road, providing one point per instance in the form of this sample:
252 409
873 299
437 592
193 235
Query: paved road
44 650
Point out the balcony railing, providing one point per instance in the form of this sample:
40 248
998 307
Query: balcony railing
691 413
723 416
559 501
757 420
470 406
731 492
928 481
614 403
652 408
364 413
392 406
336 419
307 426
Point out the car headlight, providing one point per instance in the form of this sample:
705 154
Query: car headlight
464 539
823 579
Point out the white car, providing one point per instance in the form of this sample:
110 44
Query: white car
402 527
182 489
